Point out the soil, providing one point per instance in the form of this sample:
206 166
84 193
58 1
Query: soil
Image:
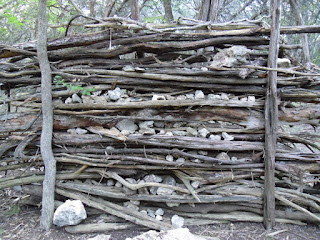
22 222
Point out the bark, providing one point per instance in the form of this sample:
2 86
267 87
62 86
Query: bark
209 10
135 14
271 119
108 7
92 4
296 8
168 16
47 121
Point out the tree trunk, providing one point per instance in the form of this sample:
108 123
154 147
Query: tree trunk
92 4
296 8
47 123
271 119
109 5
209 10
168 16
134 5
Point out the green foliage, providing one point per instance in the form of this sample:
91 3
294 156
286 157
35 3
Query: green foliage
11 19
59 81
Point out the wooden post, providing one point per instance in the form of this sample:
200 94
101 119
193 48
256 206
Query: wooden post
271 118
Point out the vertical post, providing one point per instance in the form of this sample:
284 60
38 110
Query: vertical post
271 118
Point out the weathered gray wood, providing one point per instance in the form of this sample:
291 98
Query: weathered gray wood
271 119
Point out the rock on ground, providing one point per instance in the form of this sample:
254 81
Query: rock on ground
176 234
71 212
100 237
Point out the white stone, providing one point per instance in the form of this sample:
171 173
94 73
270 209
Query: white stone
159 124
118 184
115 94
128 125
156 97
204 69
223 156
159 212
128 68
227 137
153 178
283 63
81 131
169 158
100 237
71 212
181 98
215 137
214 96
177 221
147 131
199 95
234 159
169 204
146 124
162 132
159 218
180 160
76 98
168 133
68 100
234 99
71 131
110 182
167 191
224 96
244 99
150 213
230 57
195 184
191 131
179 133
203 132
175 234
251 98
190 96
131 206
139 69
144 212
202 152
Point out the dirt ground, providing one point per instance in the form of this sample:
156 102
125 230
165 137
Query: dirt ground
22 222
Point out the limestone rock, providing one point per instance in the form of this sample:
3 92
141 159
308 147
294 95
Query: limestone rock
159 212
223 156
81 131
177 221
146 124
169 158
167 191
175 234
199 95
283 63
203 132
230 57
156 97
76 98
100 237
227 137
115 94
68 100
127 125
192 132
71 212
